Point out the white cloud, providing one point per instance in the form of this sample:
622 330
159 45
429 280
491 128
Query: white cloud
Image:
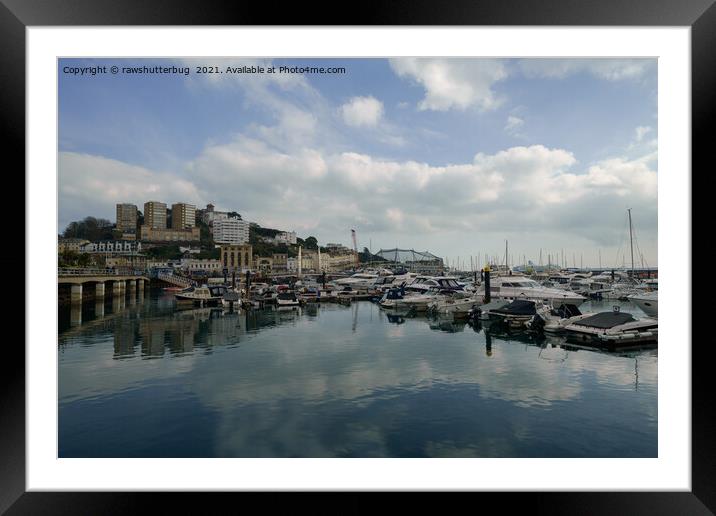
641 131
527 189
362 111
453 83
607 69
93 185
513 124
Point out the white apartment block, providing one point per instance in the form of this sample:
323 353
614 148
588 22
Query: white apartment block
285 237
210 217
231 231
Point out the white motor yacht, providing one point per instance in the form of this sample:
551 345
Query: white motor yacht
287 298
426 283
417 300
203 295
359 280
453 302
648 302
557 319
513 287
614 328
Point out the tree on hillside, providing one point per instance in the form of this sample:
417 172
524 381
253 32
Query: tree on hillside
90 228
311 243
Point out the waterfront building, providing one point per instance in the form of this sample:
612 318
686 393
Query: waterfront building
280 262
70 244
338 262
135 261
208 266
150 234
334 248
183 215
236 257
127 218
155 215
292 264
263 264
231 231
309 260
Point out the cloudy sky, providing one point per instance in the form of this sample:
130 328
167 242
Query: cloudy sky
453 156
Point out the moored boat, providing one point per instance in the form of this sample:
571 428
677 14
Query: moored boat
614 328
648 302
204 295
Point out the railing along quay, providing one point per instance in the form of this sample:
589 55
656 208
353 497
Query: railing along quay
80 271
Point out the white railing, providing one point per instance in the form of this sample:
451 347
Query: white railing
175 280
82 271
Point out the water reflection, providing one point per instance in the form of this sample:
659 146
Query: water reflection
333 380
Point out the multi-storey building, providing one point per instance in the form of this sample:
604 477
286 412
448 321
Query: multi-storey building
237 257
127 218
155 214
209 215
149 234
280 262
183 215
231 231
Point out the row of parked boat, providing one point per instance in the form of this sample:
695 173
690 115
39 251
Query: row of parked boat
523 303
543 304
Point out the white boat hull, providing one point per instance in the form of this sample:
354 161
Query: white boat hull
647 305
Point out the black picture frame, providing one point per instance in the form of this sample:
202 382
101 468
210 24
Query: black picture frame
16 15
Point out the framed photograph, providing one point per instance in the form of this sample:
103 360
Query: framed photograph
403 255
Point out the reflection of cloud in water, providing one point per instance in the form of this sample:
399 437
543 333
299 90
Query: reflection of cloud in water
266 375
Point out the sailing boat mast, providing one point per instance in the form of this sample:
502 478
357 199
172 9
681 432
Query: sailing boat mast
631 243
506 264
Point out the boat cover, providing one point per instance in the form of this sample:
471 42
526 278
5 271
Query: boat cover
606 320
493 305
518 307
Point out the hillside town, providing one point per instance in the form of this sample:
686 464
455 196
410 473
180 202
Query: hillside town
195 242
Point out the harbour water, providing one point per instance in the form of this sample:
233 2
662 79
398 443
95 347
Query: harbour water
143 379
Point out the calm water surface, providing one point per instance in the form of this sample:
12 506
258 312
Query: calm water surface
142 379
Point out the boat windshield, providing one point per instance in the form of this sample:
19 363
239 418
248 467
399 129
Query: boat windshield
525 284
